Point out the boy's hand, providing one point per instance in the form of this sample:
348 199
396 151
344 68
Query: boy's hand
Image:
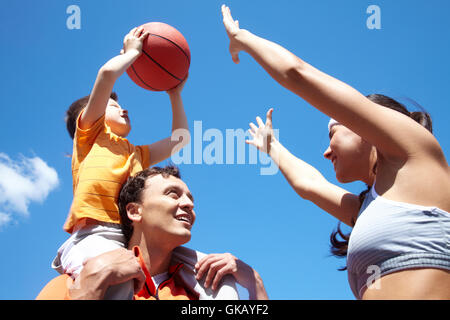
178 88
134 40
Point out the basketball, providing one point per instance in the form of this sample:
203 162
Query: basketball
164 61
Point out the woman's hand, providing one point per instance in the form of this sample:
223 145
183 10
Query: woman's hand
263 134
233 30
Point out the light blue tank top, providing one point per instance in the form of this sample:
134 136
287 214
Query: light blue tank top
390 236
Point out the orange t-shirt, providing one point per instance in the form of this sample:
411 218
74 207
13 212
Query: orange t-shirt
101 163
174 288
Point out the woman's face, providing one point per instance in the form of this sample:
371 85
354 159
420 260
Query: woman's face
353 158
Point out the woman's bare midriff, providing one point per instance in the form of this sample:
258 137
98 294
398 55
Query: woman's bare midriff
412 284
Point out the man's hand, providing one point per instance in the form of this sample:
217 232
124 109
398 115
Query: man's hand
106 270
233 30
216 266
263 134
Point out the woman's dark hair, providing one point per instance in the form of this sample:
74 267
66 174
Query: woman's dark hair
75 109
338 239
131 191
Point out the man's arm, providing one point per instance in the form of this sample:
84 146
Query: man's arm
105 270
108 74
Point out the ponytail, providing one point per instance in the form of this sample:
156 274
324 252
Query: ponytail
423 118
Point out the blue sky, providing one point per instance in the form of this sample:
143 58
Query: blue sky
259 218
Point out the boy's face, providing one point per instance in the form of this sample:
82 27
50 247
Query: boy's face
117 119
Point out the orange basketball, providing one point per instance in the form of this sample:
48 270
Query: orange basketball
164 61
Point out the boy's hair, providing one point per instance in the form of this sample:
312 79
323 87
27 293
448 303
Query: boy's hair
131 191
75 109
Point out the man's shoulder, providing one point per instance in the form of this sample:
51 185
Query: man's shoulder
187 256
56 289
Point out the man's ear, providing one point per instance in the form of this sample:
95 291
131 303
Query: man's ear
134 211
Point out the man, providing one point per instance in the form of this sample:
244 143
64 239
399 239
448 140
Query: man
157 214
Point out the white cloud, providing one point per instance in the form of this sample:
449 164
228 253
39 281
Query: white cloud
21 182
4 218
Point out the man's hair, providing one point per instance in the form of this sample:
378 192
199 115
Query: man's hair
74 110
132 191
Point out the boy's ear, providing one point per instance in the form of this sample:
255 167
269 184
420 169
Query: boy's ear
134 211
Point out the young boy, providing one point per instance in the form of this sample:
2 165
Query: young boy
103 159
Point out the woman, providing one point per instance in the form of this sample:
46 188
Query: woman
402 223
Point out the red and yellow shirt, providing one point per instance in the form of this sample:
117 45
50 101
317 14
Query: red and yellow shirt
174 288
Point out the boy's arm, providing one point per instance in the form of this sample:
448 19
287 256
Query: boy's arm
107 76
180 136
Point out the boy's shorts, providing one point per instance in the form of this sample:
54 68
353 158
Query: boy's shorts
88 242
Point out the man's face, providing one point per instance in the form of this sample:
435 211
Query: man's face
167 209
